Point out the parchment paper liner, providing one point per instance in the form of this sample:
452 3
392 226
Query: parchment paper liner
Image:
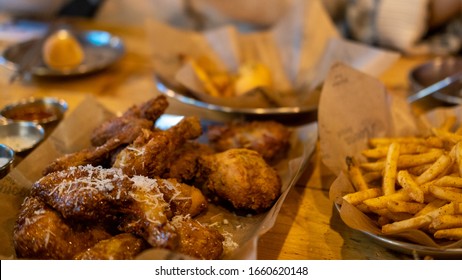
353 108
297 50
73 134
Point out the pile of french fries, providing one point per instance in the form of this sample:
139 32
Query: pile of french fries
221 83
412 182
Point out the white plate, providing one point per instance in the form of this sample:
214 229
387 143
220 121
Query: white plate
101 49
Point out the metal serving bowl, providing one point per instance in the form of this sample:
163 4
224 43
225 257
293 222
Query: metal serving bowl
6 160
43 111
432 71
21 136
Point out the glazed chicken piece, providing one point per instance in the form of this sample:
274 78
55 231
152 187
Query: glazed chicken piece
150 153
128 126
241 177
183 199
124 246
41 233
88 193
197 240
271 139
94 156
183 163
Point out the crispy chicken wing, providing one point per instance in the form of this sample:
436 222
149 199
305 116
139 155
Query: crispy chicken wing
269 138
183 163
150 153
124 246
242 177
128 126
197 240
41 233
183 199
101 155
90 193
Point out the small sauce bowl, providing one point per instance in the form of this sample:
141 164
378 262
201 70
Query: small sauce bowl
43 111
21 136
6 160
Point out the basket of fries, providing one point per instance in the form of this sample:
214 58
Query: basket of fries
399 176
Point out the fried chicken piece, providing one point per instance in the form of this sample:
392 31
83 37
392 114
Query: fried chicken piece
269 138
41 233
242 177
128 126
197 240
124 246
183 199
183 163
95 156
149 154
88 193
148 216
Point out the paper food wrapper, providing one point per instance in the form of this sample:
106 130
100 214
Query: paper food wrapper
298 50
73 134
353 108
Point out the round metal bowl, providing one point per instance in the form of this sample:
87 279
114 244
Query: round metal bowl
433 71
39 110
21 136
6 160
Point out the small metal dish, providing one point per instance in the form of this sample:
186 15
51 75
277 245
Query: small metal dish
436 70
21 136
101 50
39 110
6 160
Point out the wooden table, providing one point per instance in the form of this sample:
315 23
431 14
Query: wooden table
308 227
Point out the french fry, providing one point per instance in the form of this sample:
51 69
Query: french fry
446 221
382 201
393 216
448 123
449 181
412 223
458 153
410 186
445 194
405 148
359 196
446 135
436 169
355 175
391 167
406 161
431 206
370 177
450 233
404 207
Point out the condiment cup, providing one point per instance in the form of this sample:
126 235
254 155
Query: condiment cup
21 136
39 110
6 160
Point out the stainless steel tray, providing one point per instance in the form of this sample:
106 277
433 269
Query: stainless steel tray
101 49
183 96
409 248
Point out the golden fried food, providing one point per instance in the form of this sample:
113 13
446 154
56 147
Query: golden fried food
183 163
242 177
183 199
101 155
41 233
149 154
124 246
271 139
197 240
90 194
128 126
